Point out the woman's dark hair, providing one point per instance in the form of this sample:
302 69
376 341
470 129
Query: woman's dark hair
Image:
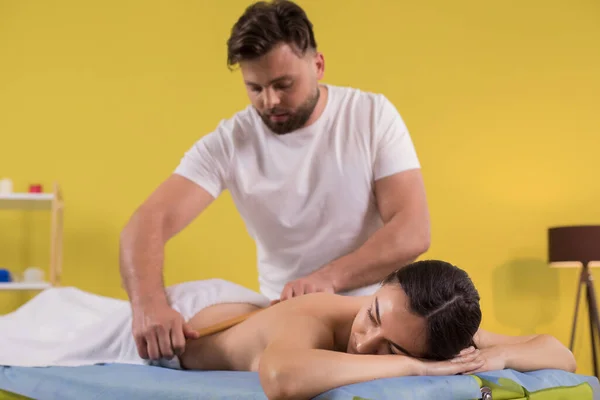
266 24
445 296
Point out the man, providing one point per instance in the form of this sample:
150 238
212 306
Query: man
326 179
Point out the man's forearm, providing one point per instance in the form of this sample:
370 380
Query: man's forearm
141 258
396 244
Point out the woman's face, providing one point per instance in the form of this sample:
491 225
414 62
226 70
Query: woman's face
386 326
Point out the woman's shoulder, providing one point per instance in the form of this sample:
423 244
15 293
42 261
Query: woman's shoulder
319 300
326 306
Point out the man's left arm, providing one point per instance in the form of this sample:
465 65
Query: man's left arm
402 203
404 236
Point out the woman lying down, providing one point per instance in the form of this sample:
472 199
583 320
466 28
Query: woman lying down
424 320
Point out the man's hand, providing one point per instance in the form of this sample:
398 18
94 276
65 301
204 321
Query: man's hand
315 282
160 332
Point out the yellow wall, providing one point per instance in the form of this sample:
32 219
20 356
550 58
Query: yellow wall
501 98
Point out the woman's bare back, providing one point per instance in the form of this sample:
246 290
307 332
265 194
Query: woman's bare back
239 348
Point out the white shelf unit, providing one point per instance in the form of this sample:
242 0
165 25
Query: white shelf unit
54 203
24 285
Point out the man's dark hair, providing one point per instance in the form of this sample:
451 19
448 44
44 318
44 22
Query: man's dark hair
445 296
266 24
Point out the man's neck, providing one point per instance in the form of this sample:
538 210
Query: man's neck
320 107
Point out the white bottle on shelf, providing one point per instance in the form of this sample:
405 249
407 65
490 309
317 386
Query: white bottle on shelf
33 275
6 186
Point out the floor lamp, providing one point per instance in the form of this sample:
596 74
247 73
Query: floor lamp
579 247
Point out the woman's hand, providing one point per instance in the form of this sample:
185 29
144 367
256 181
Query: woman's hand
468 360
494 358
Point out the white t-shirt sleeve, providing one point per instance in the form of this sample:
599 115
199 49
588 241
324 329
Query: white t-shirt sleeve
394 149
206 163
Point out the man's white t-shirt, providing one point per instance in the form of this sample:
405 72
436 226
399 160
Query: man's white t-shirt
306 197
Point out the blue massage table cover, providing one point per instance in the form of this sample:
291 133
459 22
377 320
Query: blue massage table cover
132 382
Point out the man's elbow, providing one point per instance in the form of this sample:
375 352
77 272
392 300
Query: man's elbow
131 224
408 246
147 219
125 234
423 243
420 243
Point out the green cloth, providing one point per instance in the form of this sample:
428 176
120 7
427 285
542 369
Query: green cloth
507 389
4 395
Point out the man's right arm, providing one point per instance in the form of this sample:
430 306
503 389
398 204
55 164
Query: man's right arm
171 207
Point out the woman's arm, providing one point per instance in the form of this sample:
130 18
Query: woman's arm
299 364
523 353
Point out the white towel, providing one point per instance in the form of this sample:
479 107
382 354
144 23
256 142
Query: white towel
70 327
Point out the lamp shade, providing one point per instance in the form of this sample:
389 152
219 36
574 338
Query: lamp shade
572 246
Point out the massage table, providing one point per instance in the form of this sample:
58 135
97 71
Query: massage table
58 310
133 382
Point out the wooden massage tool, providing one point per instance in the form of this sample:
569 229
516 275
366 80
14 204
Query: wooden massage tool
228 323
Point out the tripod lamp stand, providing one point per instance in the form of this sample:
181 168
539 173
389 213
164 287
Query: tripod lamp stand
579 247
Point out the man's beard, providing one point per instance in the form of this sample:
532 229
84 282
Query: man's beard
295 120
